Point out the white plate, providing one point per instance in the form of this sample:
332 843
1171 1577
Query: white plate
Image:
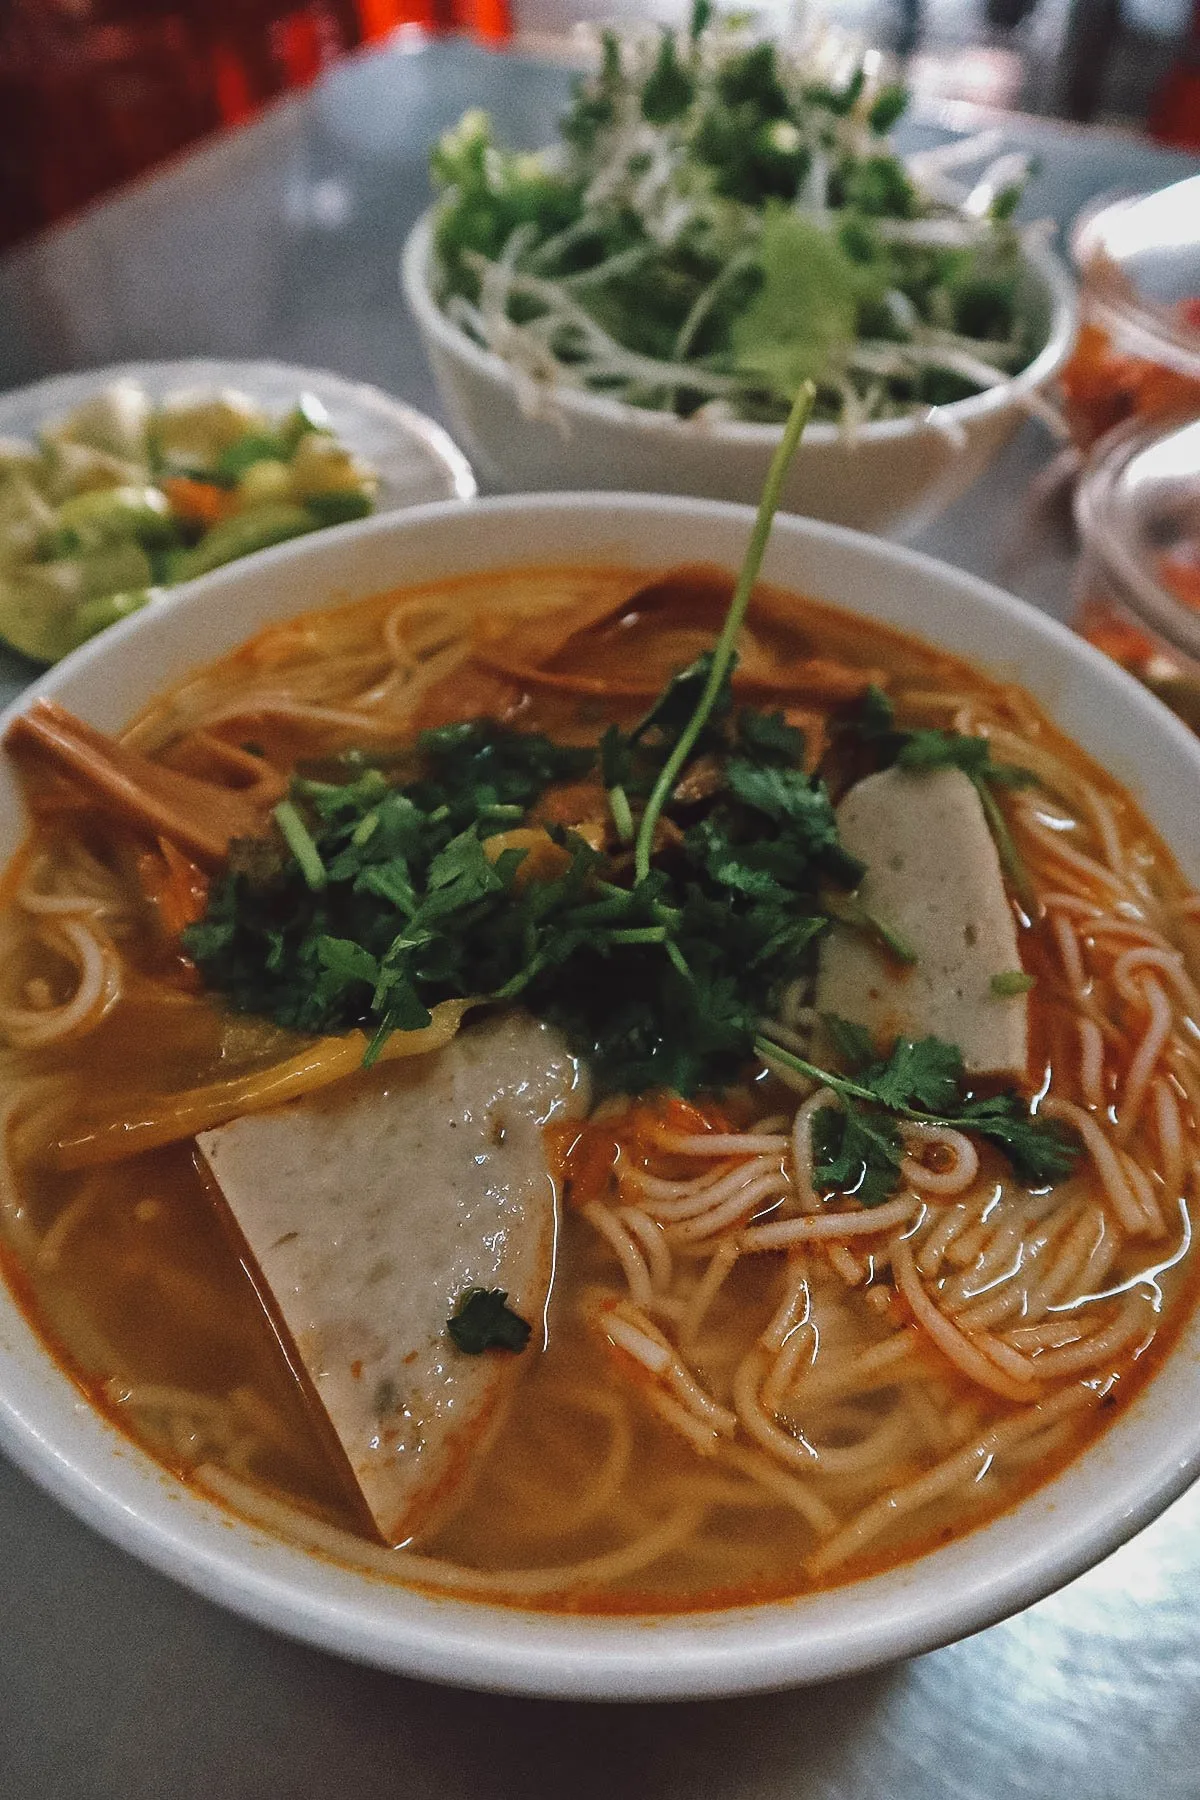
415 459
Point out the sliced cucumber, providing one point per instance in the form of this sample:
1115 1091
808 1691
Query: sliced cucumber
37 610
192 430
308 415
116 420
112 515
256 529
97 615
336 509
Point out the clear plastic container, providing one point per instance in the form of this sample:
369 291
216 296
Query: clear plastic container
1137 506
1138 349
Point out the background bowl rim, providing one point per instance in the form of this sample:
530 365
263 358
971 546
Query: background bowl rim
1046 264
52 395
942 1596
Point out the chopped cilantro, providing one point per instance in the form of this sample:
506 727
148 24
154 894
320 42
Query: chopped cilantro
389 889
299 842
1012 981
873 723
858 1153
857 1149
483 1320
659 981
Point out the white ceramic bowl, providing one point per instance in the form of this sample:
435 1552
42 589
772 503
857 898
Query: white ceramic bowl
896 474
1142 1462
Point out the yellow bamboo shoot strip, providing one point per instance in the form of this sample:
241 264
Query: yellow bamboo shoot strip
167 1118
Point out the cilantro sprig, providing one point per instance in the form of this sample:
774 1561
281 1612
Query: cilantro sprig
873 723
660 981
858 1148
391 887
483 1320
722 658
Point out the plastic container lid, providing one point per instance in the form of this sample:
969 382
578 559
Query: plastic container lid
1139 258
1137 506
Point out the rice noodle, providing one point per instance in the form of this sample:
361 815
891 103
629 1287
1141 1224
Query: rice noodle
1091 1062
1145 1058
1114 1177
952 1342
629 1256
963 1466
724 1257
1169 1128
652 1242
794 1306
964 1160
98 987
807 1198
718 1143
807 1230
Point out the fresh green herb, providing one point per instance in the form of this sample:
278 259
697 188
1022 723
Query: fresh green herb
483 1320
857 1148
299 842
721 221
804 317
873 723
660 981
858 1153
721 661
392 900
873 718
1012 981
849 910
886 109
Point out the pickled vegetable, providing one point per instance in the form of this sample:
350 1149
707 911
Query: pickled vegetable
121 498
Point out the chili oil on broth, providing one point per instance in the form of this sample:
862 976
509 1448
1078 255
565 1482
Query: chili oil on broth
140 1288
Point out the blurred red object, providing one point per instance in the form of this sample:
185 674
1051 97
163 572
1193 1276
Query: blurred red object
1175 118
93 92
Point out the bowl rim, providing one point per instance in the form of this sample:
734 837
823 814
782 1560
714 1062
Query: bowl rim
415 260
52 395
82 1460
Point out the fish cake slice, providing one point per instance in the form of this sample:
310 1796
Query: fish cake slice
370 1209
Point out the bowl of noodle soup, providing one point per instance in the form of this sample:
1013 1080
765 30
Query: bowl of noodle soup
733 1469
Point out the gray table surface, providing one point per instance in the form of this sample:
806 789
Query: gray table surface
115 1684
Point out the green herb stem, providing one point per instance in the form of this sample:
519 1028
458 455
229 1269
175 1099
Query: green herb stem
1012 981
618 805
724 649
299 841
1011 860
768 1050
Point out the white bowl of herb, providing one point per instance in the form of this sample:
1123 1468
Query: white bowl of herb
723 218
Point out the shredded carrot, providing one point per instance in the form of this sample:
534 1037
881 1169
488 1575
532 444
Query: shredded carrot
1182 577
1102 386
175 885
198 502
585 1157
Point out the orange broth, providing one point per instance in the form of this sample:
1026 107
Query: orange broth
151 1284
